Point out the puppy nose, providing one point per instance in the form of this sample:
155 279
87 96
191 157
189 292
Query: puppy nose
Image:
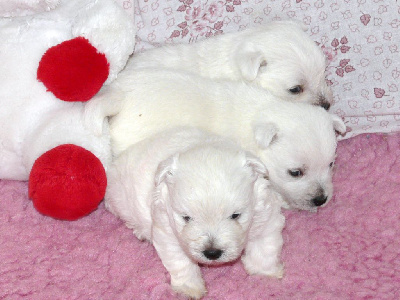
320 200
326 105
212 253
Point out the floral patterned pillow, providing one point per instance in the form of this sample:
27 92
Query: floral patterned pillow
361 40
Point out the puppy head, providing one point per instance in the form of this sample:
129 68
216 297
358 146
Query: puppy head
300 155
210 200
283 59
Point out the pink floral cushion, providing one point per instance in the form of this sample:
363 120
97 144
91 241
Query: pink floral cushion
360 38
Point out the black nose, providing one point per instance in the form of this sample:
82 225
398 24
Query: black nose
212 253
325 104
320 200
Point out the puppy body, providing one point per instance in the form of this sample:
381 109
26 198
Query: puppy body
279 57
198 198
296 141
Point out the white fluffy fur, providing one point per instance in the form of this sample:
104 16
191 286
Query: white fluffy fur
277 56
33 120
189 174
13 8
286 135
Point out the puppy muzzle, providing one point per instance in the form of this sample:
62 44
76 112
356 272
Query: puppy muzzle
320 200
325 104
324 101
212 253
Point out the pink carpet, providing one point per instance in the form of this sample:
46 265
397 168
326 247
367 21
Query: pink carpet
348 250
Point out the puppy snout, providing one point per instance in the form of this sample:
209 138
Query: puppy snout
320 200
212 253
325 104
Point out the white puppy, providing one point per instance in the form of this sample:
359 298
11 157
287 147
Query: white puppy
280 57
198 198
296 141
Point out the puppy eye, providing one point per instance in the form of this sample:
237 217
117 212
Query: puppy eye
186 218
331 165
296 89
296 173
235 216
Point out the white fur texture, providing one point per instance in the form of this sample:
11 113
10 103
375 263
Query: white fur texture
278 57
289 137
33 120
198 198
13 8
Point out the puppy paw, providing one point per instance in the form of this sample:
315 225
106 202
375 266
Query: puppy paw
191 290
278 273
275 270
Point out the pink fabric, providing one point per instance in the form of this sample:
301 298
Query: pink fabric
348 250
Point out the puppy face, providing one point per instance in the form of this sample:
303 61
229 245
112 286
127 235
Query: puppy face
304 182
287 62
300 168
301 82
211 201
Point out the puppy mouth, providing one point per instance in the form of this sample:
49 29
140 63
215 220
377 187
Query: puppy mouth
319 200
312 209
212 262
310 201
311 205
215 257
201 259
216 263
306 207
323 103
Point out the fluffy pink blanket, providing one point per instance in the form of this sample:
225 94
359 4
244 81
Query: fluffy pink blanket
348 250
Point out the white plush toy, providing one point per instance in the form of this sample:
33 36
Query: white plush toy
54 56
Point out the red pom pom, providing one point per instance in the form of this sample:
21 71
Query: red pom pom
73 70
67 182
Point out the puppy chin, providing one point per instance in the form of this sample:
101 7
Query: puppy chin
199 258
307 206
325 104
211 262
310 209
228 255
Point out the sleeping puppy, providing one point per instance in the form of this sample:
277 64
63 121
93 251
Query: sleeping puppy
198 198
280 57
295 141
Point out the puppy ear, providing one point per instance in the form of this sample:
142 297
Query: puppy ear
166 169
256 164
249 59
265 134
338 124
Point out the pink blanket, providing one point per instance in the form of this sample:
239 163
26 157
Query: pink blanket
348 250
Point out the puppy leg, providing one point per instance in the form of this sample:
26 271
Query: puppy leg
262 255
185 274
